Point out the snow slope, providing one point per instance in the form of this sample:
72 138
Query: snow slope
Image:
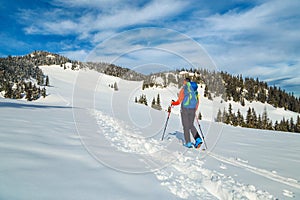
86 141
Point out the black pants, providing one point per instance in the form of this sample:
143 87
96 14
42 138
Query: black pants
187 119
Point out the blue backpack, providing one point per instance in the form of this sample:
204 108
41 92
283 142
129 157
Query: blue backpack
190 95
194 85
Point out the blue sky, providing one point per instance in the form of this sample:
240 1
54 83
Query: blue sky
256 38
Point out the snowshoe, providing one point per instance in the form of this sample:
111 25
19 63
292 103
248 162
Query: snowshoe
198 143
188 145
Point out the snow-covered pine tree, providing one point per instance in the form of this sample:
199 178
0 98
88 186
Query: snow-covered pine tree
219 116
47 81
116 86
200 116
153 103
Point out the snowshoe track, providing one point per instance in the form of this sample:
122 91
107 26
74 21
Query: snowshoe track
262 172
182 173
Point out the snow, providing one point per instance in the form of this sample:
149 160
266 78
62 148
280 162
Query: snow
50 56
87 141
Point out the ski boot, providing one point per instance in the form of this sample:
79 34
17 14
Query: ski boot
198 143
188 145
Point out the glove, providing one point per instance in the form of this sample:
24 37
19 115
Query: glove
172 102
169 109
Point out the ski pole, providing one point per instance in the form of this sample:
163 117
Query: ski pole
169 112
201 133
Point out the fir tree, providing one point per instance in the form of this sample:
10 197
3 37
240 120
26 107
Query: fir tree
265 119
153 103
158 106
116 86
242 101
240 118
43 92
249 119
254 117
47 81
158 100
143 100
200 116
219 116
292 125
29 92
259 123
225 117
276 126
230 115
206 91
297 126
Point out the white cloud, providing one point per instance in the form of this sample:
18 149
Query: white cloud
63 22
261 37
152 45
99 4
75 55
266 35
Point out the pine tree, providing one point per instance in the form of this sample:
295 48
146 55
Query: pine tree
158 106
254 117
145 100
240 118
219 116
242 101
158 100
8 91
270 125
283 125
47 81
259 123
265 119
116 86
29 93
43 92
153 103
230 115
297 127
276 126
206 91
234 120
249 119
225 117
292 125
200 116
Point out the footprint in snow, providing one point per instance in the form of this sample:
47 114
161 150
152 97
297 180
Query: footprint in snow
222 166
288 193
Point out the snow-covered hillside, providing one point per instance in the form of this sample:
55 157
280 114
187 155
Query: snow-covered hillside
87 141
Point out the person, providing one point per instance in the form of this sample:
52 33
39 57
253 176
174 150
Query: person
188 98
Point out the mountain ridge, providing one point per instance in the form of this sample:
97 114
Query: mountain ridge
221 83
21 77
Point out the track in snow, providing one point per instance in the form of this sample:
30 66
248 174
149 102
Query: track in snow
262 172
182 173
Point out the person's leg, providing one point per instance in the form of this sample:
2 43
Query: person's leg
186 124
192 128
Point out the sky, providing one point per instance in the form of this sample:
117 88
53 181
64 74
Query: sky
256 38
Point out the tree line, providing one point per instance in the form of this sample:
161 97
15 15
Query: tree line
16 72
238 89
21 78
260 121
155 101
229 87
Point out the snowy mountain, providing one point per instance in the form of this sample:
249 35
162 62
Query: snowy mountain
87 141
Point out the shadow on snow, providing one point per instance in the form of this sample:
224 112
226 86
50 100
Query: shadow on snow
23 105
